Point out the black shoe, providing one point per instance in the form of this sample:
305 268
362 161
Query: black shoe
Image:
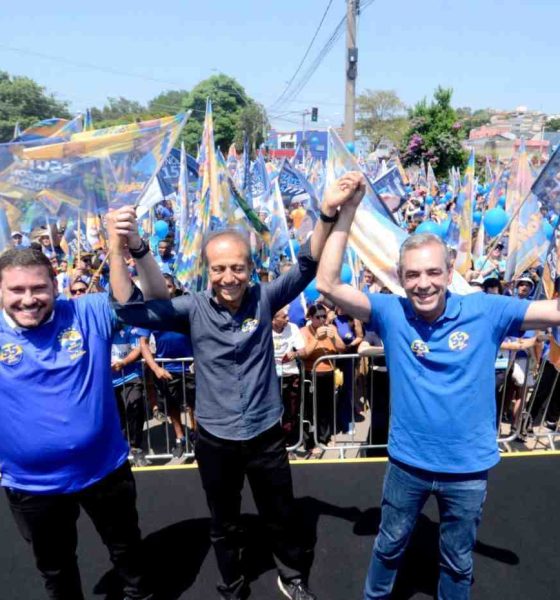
179 453
295 589
179 449
235 591
139 458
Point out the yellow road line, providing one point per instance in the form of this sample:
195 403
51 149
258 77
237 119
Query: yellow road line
342 461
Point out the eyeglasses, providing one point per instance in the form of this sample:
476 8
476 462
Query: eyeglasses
320 316
78 291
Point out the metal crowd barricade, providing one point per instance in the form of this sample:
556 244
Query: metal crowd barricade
157 434
342 446
537 430
517 423
301 420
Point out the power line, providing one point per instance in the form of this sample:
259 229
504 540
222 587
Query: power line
304 79
84 65
305 54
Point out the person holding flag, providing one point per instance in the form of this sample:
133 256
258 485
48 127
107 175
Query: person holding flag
440 349
238 402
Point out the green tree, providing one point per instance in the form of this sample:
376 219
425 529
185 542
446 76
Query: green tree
169 102
552 125
381 114
253 122
229 100
435 134
119 111
24 101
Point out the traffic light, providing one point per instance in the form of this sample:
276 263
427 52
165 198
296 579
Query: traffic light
314 114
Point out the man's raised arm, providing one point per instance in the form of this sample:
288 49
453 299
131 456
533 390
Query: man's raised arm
123 232
351 300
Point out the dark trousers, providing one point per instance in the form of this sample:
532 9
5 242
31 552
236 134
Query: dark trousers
291 400
223 465
324 421
541 396
130 401
48 523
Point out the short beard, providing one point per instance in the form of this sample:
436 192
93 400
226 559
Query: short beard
43 320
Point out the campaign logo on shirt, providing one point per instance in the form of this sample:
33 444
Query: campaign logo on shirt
11 354
71 340
249 325
458 340
419 347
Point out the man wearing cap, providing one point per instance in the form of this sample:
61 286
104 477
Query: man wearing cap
441 348
524 286
17 238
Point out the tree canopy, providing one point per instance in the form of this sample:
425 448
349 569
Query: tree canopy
232 111
381 114
24 101
435 134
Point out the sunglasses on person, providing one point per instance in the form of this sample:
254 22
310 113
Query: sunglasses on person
78 291
320 316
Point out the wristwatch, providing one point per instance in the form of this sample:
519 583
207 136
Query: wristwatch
326 219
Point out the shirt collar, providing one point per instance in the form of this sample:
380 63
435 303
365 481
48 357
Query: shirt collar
453 303
17 328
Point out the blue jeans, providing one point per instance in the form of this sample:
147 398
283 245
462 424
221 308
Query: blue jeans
405 491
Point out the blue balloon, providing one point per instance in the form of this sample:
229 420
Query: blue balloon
350 147
548 230
429 200
501 201
346 274
311 292
477 217
161 229
429 227
495 220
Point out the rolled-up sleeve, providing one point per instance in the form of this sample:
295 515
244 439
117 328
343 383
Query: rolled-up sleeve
164 315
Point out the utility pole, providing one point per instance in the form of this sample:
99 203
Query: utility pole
352 9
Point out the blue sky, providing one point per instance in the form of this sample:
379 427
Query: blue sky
494 53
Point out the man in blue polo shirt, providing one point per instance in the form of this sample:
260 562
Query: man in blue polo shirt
440 349
61 446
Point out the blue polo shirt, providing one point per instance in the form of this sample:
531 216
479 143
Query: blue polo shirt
173 344
443 410
60 429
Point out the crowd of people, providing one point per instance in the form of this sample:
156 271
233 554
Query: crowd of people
251 343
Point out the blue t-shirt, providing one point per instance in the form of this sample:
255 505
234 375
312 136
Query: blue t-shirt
60 429
166 265
172 344
443 410
125 339
296 312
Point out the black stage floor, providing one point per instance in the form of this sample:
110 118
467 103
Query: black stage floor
516 556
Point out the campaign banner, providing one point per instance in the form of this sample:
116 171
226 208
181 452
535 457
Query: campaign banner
547 185
391 189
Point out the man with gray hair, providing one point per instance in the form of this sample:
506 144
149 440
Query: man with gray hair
440 349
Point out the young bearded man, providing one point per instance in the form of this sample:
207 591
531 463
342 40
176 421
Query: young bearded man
61 446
